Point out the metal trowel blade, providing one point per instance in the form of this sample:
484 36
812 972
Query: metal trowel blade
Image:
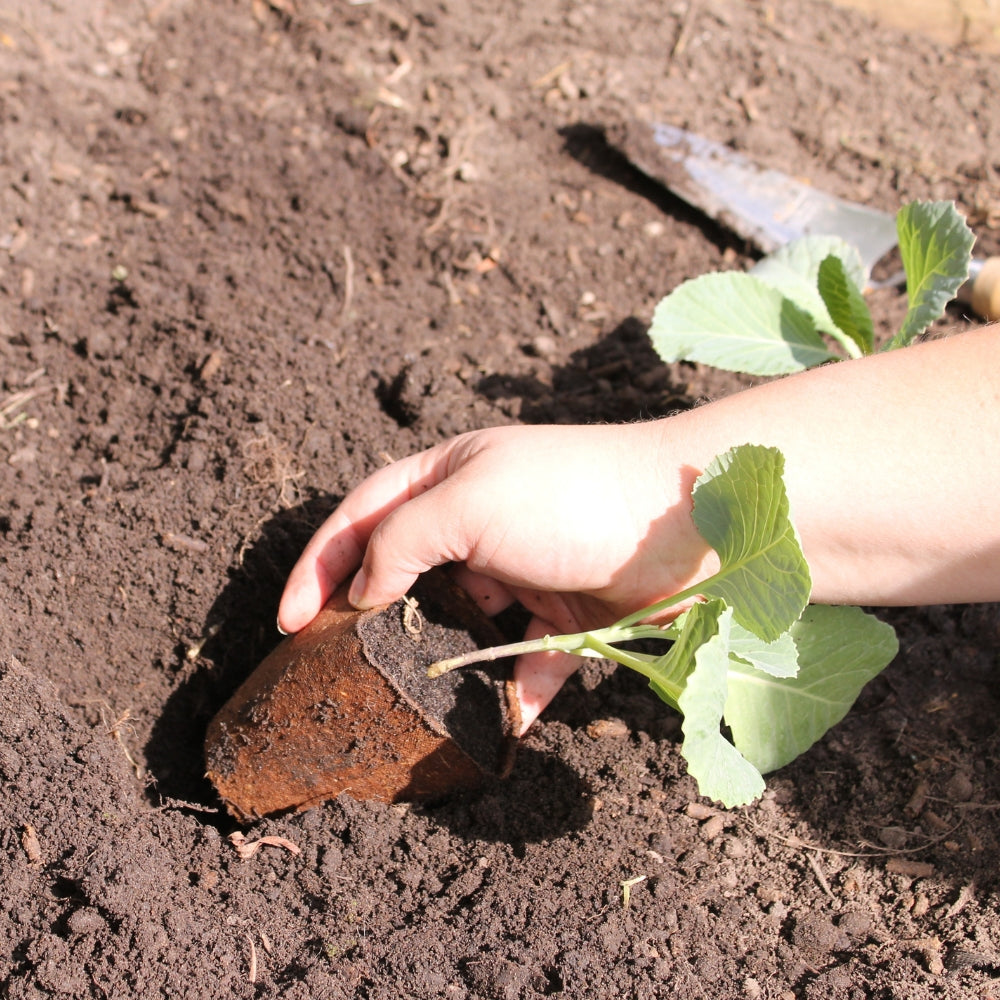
766 207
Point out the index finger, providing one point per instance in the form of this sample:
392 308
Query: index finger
338 546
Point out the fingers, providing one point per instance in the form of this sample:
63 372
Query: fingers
490 595
338 546
429 530
539 676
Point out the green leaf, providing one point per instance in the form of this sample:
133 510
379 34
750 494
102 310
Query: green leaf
721 771
794 271
668 674
773 720
779 658
846 304
936 245
741 510
736 321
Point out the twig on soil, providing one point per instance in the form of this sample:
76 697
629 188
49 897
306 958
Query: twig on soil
252 972
874 852
553 74
684 32
9 418
246 849
403 66
441 216
114 729
970 806
923 847
820 876
456 167
386 96
449 286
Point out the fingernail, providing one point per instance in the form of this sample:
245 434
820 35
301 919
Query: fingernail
356 595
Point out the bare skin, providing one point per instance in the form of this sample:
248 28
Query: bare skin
892 470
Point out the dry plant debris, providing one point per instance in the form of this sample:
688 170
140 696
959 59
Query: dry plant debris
30 843
246 849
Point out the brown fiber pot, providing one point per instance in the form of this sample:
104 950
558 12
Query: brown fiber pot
345 706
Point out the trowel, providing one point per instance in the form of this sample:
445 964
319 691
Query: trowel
769 208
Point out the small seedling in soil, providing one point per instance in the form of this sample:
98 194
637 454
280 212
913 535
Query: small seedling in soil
627 885
345 706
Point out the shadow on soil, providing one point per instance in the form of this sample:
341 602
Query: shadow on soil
619 378
543 798
593 146
242 630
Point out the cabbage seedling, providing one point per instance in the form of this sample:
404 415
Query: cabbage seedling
750 653
803 306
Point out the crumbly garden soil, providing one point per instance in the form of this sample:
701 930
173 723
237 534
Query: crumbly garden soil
251 251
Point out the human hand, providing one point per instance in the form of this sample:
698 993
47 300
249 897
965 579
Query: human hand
584 525
581 525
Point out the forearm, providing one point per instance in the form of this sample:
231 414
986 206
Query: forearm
892 468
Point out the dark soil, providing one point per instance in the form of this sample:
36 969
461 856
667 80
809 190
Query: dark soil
470 706
253 250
